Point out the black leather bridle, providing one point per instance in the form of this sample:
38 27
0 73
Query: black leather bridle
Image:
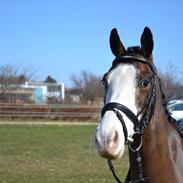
145 114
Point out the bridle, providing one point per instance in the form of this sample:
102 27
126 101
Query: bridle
145 114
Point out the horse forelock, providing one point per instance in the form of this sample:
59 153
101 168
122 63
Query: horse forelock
134 50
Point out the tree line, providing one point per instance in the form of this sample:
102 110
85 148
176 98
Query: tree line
86 85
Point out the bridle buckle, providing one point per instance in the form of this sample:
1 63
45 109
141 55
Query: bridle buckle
137 141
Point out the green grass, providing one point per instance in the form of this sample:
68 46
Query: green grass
52 154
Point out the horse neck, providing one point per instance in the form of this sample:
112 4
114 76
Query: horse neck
155 148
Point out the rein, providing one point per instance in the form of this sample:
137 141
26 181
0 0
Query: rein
135 140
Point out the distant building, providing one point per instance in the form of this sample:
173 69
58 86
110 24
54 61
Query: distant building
17 95
45 91
33 92
73 95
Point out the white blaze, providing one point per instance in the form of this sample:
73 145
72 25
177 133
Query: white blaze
121 89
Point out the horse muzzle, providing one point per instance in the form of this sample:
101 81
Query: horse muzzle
109 145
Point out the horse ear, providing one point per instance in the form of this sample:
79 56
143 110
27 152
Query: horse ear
147 42
116 44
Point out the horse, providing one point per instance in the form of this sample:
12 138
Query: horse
135 114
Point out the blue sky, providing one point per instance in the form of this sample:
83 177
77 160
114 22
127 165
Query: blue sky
63 37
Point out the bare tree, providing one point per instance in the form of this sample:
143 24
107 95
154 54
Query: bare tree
11 77
172 83
88 86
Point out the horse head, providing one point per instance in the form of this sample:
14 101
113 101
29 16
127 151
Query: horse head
128 84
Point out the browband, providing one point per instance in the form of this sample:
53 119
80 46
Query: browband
130 59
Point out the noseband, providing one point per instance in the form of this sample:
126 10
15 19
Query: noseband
135 140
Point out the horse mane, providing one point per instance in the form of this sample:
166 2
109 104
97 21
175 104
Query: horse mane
171 120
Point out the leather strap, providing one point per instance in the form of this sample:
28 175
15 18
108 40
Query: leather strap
131 116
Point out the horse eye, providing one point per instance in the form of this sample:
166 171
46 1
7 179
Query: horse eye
144 83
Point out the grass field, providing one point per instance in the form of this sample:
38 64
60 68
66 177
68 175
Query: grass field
52 154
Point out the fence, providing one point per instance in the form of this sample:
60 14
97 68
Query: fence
54 112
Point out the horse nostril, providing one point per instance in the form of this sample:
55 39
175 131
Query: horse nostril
116 137
97 139
113 139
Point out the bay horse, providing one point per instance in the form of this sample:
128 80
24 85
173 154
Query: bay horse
135 113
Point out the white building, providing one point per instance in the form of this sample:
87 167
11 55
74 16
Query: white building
43 91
